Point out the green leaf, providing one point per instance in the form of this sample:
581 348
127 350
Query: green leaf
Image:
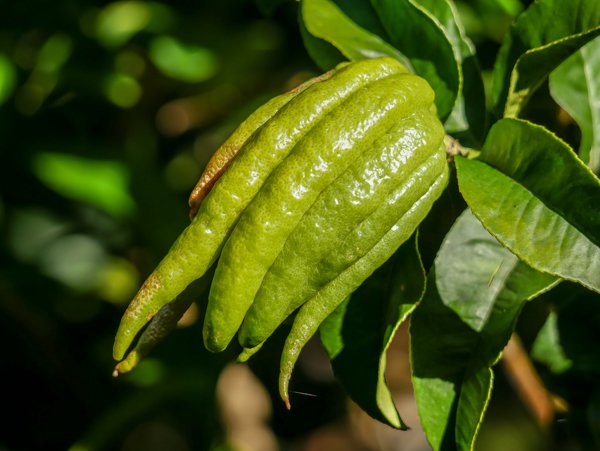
547 348
541 38
538 199
325 55
100 183
363 14
461 326
435 394
467 120
568 342
323 19
475 394
182 62
421 38
488 273
358 334
575 85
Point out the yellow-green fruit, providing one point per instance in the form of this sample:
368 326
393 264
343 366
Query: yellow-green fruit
348 165
312 193
238 172
361 202
369 110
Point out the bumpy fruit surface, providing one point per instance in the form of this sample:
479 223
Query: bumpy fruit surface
307 198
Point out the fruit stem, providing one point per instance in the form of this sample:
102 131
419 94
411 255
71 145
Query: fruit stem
453 148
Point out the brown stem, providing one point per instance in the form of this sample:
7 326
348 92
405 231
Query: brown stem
454 148
527 382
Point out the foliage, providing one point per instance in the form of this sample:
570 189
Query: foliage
110 110
530 191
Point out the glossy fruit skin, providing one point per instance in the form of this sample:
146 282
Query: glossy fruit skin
311 194
262 144
316 161
362 202
225 154
158 328
368 247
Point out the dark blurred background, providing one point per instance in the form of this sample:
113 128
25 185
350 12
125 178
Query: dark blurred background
108 113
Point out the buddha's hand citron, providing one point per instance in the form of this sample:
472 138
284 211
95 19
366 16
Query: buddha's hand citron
313 192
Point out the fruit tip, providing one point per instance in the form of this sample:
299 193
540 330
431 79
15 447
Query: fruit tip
118 348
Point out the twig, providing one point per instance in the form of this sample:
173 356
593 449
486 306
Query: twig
527 382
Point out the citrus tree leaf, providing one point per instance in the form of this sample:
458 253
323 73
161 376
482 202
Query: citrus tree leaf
351 30
363 14
461 326
488 273
547 348
467 120
575 85
325 55
568 341
419 35
358 334
541 38
103 184
325 21
537 198
475 393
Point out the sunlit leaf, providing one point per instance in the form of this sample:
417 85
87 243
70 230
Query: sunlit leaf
187 63
468 116
537 198
99 183
575 85
489 273
324 54
119 21
537 43
323 19
475 394
475 293
420 37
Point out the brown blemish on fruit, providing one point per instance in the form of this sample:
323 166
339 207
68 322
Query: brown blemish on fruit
222 158
215 168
